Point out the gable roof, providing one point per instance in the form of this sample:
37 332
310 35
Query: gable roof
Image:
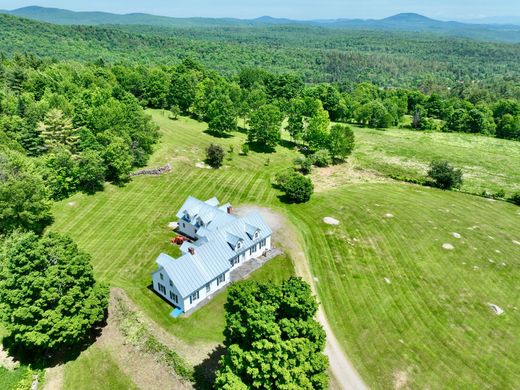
214 249
209 213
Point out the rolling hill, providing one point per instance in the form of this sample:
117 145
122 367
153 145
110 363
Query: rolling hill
400 22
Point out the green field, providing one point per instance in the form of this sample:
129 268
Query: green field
95 369
428 325
488 163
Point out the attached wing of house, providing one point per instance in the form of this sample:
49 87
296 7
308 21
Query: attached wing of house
222 243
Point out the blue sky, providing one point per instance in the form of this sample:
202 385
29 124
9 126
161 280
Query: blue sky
295 9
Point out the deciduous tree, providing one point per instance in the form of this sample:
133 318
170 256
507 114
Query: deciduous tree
48 296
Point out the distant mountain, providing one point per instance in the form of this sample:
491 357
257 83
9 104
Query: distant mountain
507 20
410 22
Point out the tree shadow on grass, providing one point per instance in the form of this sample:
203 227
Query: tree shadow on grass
206 372
261 148
217 134
45 358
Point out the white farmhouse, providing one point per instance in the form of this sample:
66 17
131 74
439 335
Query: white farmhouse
222 242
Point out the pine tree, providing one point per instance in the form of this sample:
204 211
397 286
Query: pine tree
57 131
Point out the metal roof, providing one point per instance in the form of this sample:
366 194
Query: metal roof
214 250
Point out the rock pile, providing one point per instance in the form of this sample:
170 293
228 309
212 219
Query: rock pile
154 171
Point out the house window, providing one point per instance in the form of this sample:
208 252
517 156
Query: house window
174 297
221 279
235 260
208 287
239 245
162 277
194 297
161 288
256 235
171 283
252 249
183 225
263 243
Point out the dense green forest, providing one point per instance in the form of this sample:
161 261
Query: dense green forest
388 59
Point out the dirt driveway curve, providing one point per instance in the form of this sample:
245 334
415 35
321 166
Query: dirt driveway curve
345 375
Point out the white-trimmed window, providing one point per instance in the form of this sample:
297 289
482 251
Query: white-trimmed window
221 279
194 297
162 289
171 283
257 234
174 297
208 288
162 277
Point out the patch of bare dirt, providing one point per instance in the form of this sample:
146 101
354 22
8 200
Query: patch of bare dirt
193 354
140 366
53 378
7 361
337 175
400 380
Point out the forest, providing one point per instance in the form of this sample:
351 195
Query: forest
430 62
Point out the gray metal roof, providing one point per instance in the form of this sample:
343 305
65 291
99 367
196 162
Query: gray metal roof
213 251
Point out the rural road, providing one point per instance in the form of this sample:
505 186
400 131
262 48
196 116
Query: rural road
345 375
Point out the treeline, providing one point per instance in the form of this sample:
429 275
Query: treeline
388 59
263 98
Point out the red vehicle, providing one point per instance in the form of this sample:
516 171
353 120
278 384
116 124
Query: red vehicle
178 240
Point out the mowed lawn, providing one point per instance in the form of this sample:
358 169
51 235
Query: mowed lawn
405 308
427 324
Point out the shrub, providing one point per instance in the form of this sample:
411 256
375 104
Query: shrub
297 188
515 198
321 158
215 156
175 111
245 149
303 164
444 175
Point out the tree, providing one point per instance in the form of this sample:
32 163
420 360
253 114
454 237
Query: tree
374 114
117 158
509 127
215 156
59 171
245 149
24 198
222 116
57 131
480 122
317 132
175 111
48 296
297 188
91 171
272 338
444 175
264 126
341 142
183 89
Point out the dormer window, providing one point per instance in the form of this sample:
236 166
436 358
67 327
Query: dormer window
239 245
256 235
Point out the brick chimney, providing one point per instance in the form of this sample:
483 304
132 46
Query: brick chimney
191 250
229 209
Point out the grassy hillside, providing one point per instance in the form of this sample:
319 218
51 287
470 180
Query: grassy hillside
426 325
404 59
